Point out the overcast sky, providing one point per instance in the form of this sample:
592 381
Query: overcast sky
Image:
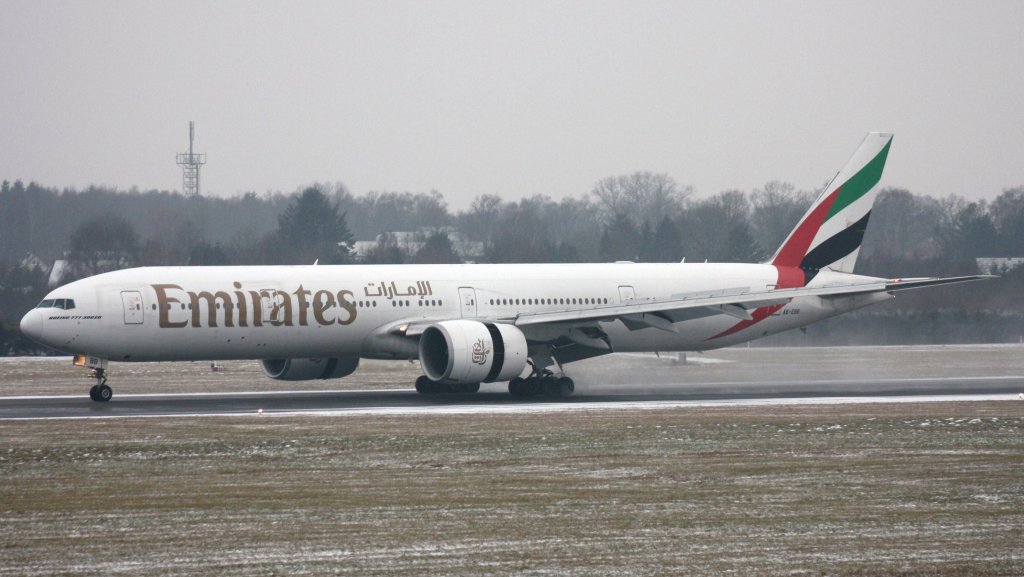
510 98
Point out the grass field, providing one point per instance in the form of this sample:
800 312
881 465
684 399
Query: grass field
918 489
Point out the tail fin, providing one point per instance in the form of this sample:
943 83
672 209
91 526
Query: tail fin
829 235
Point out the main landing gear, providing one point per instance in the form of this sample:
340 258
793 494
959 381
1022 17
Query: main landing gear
543 382
100 392
425 386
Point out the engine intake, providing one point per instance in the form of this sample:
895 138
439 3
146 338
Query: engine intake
309 369
468 352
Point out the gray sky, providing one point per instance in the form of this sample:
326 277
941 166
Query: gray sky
510 98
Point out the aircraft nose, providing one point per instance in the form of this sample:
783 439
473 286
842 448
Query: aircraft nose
32 325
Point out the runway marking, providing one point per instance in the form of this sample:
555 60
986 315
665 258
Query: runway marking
553 407
211 394
583 387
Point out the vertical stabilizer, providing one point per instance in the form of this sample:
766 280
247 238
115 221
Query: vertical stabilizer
830 233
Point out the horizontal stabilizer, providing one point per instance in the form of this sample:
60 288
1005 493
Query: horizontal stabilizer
913 283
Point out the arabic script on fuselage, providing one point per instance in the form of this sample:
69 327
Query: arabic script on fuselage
390 290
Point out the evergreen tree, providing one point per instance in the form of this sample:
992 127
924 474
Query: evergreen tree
310 229
620 240
437 249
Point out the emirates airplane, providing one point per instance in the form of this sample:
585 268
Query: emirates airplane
473 323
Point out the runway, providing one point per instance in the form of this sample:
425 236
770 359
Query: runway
493 399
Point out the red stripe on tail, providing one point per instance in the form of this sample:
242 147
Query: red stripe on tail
793 252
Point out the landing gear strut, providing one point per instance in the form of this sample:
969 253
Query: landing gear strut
542 382
100 392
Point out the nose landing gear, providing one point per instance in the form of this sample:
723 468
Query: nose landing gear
100 392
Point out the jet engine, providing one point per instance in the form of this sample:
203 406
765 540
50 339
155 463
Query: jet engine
309 369
468 352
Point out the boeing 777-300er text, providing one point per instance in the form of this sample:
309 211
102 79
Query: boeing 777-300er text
473 323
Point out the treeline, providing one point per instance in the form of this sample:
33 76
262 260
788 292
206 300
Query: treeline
640 217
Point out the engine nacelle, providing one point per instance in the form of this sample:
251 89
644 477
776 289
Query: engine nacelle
472 352
309 369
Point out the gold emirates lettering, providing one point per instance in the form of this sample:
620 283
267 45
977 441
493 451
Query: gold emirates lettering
267 307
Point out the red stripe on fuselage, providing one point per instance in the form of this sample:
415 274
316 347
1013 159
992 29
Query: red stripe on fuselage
789 277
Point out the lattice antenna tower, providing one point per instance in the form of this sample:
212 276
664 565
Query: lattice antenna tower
190 163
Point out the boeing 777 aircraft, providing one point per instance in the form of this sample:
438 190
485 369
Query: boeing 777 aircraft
471 324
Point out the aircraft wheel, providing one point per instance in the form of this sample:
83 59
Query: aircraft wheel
92 393
425 386
565 386
517 387
548 386
535 386
103 393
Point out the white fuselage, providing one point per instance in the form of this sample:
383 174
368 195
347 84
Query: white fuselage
270 312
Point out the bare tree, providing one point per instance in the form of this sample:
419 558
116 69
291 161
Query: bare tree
1008 217
778 207
101 244
640 196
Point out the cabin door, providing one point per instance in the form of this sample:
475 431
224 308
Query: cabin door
626 294
132 301
468 297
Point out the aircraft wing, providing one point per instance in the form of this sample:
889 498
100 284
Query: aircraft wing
733 302
737 302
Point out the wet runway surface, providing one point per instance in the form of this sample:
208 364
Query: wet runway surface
494 398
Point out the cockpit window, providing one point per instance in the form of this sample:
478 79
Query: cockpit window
66 304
